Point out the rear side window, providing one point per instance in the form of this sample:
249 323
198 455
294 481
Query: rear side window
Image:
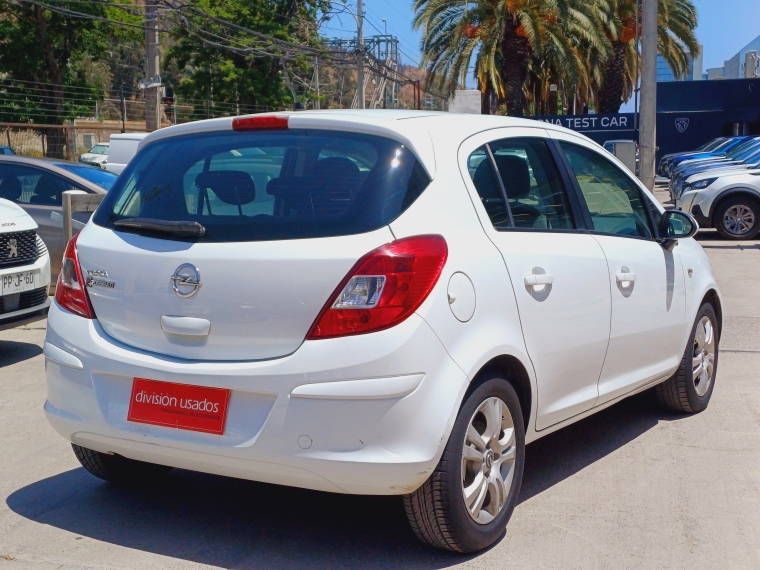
270 185
524 167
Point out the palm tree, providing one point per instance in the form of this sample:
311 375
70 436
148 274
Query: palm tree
452 33
564 59
507 36
676 42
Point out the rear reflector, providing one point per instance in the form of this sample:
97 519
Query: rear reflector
71 292
383 288
259 122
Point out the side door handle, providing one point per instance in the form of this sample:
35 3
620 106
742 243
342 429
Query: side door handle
538 279
625 277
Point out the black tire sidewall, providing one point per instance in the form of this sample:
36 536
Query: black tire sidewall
696 402
735 201
471 535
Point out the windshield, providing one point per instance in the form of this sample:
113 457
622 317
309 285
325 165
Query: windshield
710 145
102 178
741 148
746 151
99 149
259 186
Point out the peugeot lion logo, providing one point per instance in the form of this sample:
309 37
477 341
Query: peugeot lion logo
186 280
682 125
13 247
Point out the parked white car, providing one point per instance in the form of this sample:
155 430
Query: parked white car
727 200
122 148
24 266
97 155
380 302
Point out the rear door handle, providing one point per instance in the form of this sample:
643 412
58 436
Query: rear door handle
625 277
538 279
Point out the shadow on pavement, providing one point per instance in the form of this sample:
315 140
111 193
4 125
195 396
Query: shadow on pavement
240 524
12 352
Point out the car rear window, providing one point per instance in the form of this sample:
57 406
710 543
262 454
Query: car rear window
263 186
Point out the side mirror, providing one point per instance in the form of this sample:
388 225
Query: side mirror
676 225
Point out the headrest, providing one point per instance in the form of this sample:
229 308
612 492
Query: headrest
230 186
486 182
337 170
514 174
10 189
48 186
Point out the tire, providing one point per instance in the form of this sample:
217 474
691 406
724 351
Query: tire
437 511
737 217
119 470
682 392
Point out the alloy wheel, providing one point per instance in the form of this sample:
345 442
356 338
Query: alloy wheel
703 359
488 460
739 219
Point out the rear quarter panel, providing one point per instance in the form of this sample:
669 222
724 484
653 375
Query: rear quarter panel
446 208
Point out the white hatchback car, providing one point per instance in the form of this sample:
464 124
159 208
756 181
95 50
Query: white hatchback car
24 264
381 302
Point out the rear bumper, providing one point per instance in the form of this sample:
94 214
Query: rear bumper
368 414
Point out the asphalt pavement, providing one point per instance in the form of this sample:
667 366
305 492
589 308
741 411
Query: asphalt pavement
630 487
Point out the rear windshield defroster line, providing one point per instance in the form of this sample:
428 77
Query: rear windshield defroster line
265 186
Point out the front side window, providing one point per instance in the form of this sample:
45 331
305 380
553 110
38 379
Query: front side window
259 186
26 185
614 201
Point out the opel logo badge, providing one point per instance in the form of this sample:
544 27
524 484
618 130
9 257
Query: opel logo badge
186 280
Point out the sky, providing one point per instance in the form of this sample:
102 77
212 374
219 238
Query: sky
725 26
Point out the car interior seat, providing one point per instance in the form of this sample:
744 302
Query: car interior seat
48 191
10 188
490 193
516 178
230 186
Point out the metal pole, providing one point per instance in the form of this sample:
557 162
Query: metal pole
360 49
123 112
152 106
637 77
648 135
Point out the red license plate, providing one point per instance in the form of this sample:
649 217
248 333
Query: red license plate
181 406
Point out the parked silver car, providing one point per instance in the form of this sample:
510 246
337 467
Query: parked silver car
37 184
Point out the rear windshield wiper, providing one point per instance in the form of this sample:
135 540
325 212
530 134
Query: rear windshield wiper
178 228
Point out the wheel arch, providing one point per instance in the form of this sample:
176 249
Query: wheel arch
713 298
515 373
723 196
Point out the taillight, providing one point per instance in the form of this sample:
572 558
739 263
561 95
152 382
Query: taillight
259 122
71 292
383 288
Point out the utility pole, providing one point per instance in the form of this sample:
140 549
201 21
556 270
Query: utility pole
648 132
123 111
316 77
153 85
360 49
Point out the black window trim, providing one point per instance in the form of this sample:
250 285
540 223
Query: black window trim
584 207
576 211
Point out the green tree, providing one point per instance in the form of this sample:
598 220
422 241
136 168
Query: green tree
676 42
236 78
44 59
508 36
